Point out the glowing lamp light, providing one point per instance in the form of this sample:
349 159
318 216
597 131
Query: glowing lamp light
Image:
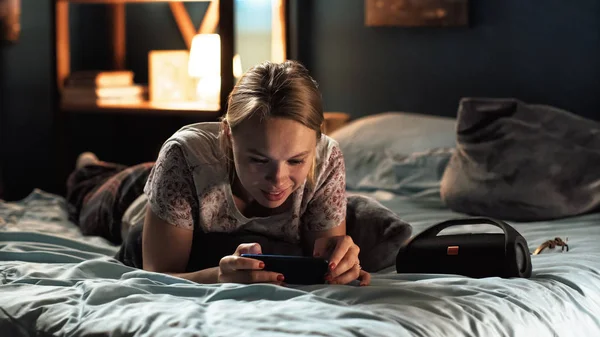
205 66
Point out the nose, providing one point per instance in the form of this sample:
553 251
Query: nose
277 174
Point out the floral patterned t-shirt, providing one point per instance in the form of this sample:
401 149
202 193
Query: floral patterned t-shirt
189 187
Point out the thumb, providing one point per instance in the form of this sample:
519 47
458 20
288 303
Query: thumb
249 248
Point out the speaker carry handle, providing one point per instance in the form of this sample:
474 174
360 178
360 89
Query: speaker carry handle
509 232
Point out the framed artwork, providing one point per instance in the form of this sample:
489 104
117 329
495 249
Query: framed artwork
416 13
168 78
10 20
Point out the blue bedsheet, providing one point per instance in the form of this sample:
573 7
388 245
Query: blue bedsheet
54 280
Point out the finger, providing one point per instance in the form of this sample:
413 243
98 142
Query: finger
248 248
233 263
347 263
349 276
261 276
343 244
324 247
364 278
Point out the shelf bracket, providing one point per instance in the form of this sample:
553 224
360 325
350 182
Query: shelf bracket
63 57
186 26
211 19
118 33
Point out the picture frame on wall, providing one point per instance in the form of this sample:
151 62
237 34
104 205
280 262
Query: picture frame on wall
416 13
10 20
168 77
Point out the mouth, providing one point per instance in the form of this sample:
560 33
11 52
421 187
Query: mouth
275 195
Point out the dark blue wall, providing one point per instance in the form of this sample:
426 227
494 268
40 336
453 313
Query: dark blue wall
27 104
538 51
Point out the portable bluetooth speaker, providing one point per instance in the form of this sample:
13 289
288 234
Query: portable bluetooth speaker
474 255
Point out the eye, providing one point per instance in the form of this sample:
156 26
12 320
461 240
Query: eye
258 160
296 161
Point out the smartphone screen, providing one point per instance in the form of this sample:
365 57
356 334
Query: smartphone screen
296 269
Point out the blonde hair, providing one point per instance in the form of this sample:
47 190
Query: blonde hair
284 90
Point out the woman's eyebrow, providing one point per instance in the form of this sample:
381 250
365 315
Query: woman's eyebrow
258 153
301 154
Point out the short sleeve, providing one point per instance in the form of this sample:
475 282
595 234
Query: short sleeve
170 188
327 208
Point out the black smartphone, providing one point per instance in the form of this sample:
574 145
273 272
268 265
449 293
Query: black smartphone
296 269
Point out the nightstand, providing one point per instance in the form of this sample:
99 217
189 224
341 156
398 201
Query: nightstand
334 121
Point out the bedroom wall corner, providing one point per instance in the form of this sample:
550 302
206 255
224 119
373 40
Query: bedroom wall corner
27 91
2 114
2 132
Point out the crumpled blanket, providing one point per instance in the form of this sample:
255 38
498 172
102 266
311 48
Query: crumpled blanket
378 231
522 162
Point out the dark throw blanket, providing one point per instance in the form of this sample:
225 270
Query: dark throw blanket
378 232
522 162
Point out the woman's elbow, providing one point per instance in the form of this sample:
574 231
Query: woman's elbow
165 247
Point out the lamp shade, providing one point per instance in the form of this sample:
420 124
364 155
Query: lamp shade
205 56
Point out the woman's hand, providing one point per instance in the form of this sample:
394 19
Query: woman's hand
237 269
344 265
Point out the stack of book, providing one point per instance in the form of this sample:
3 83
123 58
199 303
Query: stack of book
102 87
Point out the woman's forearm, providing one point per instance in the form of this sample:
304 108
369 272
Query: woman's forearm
206 276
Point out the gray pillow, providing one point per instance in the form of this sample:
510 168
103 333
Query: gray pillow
377 230
416 175
522 162
392 136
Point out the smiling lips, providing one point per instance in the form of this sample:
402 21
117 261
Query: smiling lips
274 195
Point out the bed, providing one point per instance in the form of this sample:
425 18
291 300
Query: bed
56 282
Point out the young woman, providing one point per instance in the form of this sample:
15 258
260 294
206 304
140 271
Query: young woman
264 169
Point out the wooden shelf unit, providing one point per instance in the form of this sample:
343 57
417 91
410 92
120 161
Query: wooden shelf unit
146 107
126 1
117 26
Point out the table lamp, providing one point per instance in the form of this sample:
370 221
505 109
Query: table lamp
205 67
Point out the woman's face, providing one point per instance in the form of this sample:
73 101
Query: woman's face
272 158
